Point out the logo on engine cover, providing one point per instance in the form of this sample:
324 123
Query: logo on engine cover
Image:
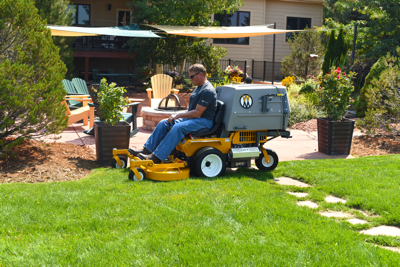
246 101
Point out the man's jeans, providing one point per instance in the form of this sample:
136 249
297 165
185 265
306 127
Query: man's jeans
162 143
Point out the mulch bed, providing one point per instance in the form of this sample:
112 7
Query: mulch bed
54 162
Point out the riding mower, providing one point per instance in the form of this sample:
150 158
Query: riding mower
247 117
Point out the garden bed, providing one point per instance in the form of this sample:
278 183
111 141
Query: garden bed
56 162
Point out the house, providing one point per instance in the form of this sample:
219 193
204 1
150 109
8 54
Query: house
287 14
108 52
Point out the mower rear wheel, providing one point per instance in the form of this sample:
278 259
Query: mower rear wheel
262 164
114 163
208 162
133 177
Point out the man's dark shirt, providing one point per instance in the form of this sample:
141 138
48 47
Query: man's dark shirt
205 96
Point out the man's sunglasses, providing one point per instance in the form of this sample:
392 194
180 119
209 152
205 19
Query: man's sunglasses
192 76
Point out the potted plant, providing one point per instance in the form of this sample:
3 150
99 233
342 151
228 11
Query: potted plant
233 73
110 131
335 133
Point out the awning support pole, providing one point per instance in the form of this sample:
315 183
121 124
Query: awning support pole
273 57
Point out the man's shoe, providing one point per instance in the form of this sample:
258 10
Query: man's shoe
149 157
135 152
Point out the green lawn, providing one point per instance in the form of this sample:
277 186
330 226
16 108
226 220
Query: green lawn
239 219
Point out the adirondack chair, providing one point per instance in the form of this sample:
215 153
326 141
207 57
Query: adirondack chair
70 88
85 113
161 87
80 86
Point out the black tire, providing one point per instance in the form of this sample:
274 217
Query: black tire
133 177
114 163
208 162
262 164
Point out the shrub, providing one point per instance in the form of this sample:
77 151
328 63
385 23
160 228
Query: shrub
111 101
383 104
31 75
298 63
309 86
328 58
369 85
302 107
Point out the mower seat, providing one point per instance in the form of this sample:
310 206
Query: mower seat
219 114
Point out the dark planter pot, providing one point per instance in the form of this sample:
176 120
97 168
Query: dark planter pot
109 137
334 137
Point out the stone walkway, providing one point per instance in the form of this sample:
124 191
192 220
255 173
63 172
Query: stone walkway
351 218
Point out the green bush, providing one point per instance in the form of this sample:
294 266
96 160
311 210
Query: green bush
369 85
383 105
309 86
303 107
328 58
31 74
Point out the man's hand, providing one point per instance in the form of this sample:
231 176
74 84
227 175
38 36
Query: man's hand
172 117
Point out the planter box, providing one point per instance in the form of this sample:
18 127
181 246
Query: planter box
334 137
108 137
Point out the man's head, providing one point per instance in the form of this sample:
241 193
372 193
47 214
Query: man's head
198 74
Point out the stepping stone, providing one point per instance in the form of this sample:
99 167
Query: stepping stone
290 181
382 230
308 203
336 214
298 194
332 199
357 221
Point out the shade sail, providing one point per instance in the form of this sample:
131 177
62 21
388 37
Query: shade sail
220 32
126 31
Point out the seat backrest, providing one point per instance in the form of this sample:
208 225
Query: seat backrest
70 88
161 85
80 86
219 113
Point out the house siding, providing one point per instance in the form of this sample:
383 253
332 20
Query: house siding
100 16
277 11
267 12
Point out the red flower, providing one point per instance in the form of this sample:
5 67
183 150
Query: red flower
338 77
344 73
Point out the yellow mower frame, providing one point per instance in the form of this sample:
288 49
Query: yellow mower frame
177 169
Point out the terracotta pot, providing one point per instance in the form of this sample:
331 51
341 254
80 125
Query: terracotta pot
335 137
234 74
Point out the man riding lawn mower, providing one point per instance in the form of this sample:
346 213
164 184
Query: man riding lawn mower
247 116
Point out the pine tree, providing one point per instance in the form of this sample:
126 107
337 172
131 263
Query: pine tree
328 58
340 49
31 74
59 13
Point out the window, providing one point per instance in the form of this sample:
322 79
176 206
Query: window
293 23
124 18
239 18
82 15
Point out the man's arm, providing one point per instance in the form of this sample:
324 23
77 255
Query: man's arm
196 113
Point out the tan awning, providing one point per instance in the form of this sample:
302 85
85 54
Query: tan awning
219 32
127 31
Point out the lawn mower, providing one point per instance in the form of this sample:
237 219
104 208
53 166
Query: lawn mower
247 116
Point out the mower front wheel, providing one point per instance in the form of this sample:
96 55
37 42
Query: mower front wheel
133 177
114 163
262 164
208 162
